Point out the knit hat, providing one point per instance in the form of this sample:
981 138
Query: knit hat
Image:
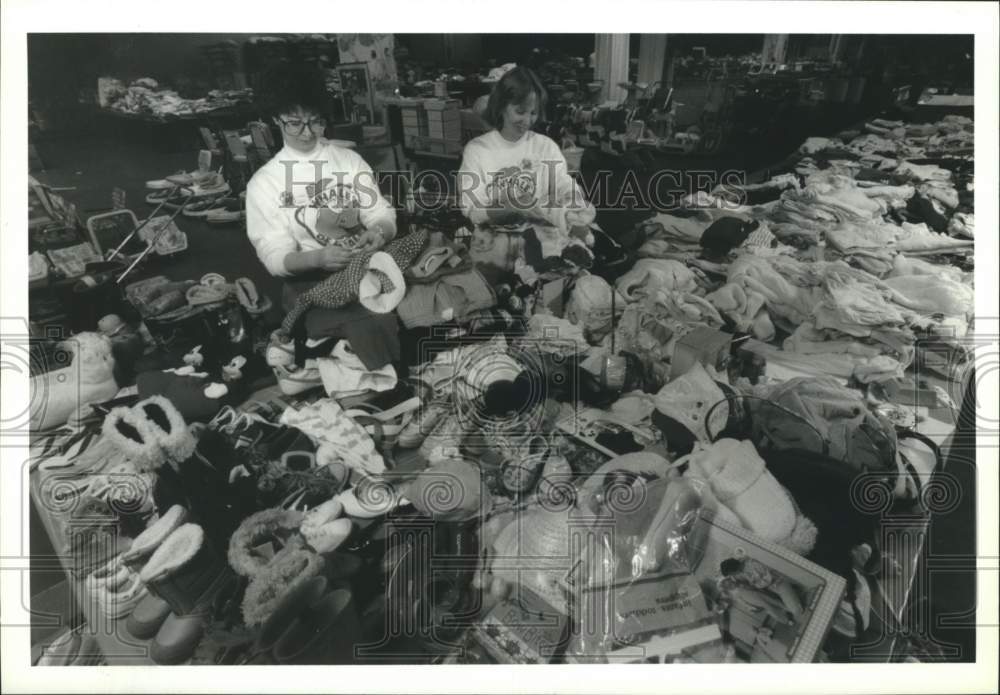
741 482
371 292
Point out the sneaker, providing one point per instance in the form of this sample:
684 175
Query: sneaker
280 354
294 382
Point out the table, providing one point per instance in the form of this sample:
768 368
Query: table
893 608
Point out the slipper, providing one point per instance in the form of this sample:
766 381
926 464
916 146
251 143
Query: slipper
252 301
151 538
173 196
199 208
221 216
381 500
201 295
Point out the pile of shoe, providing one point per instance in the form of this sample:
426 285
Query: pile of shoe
182 574
192 191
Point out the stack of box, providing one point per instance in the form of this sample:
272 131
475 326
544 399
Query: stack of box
444 125
414 122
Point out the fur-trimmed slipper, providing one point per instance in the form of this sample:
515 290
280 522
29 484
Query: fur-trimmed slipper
133 435
287 571
168 426
149 540
256 530
179 547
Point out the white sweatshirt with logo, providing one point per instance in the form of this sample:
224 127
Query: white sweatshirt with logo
290 181
534 166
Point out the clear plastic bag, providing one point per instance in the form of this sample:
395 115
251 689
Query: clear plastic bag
635 575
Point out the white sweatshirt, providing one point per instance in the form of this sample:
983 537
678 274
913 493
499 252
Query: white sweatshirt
534 164
271 222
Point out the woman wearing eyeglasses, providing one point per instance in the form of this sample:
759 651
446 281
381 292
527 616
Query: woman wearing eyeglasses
313 206
313 202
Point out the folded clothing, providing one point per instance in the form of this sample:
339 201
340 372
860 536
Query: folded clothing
452 298
931 294
905 238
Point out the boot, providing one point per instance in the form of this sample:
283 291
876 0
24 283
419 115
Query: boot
147 617
185 572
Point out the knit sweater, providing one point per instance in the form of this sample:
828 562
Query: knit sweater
289 183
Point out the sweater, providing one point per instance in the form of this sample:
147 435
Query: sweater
534 166
289 183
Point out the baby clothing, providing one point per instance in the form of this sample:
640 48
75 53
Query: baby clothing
339 438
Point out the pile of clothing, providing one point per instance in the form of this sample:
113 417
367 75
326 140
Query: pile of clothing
145 96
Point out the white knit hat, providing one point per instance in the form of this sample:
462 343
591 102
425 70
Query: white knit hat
370 292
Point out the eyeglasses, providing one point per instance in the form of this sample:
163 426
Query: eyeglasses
297 127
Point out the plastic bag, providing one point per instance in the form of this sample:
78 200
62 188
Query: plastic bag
635 576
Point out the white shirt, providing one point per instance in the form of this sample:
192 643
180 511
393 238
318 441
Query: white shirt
288 183
534 164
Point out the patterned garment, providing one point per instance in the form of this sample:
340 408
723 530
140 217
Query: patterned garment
341 288
337 436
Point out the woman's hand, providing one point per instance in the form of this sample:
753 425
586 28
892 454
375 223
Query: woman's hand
333 258
370 240
513 198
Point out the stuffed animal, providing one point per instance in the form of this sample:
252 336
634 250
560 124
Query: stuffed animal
89 378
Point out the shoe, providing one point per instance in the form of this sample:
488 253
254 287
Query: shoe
181 179
167 426
186 572
174 197
225 210
298 381
147 617
279 354
119 601
248 296
324 634
149 540
200 207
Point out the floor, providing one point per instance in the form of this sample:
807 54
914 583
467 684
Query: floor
92 167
